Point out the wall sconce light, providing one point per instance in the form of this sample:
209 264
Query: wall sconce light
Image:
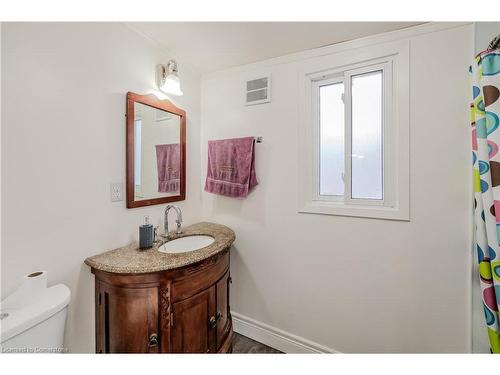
168 79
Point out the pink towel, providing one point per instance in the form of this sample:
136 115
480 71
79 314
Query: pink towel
231 167
168 164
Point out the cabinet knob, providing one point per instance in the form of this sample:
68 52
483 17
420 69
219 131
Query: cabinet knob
212 323
153 340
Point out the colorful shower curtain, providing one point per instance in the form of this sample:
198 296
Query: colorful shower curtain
485 112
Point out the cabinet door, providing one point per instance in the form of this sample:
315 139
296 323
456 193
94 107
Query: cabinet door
222 315
129 319
191 328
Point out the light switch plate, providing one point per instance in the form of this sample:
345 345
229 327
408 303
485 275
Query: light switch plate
116 192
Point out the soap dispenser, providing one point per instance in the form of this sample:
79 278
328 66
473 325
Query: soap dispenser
146 234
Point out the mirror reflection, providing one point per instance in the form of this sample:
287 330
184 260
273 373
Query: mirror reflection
157 153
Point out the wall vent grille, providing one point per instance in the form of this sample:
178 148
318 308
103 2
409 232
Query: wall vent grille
258 91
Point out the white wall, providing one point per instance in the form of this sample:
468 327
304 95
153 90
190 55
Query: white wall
484 34
63 125
354 284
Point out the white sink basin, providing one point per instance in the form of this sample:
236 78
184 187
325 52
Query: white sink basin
186 244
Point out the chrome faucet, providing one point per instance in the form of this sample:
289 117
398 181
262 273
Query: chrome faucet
178 221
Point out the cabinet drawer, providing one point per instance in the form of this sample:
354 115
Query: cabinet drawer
199 279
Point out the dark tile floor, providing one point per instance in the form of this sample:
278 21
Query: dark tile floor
243 344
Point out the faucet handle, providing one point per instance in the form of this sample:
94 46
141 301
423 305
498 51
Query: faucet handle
179 228
155 234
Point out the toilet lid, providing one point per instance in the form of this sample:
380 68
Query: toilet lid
18 316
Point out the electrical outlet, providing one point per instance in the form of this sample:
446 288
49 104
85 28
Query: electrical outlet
116 192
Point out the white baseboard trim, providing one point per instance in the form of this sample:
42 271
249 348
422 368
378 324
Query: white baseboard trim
274 337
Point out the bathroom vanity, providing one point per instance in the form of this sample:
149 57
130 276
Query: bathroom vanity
147 301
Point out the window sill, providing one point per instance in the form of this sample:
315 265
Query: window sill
355 210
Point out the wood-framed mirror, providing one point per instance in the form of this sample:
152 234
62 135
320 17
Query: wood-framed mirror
156 151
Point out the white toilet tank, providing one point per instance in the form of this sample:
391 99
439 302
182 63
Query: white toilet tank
34 316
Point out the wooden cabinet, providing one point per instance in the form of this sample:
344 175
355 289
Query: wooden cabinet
175 311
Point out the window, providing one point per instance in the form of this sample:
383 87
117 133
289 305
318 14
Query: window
350 127
366 136
332 139
354 158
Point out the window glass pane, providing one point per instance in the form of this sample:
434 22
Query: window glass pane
331 159
366 167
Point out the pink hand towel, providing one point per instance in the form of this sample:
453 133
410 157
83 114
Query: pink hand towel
168 164
231 167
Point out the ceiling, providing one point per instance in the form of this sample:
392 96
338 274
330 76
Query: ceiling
211 46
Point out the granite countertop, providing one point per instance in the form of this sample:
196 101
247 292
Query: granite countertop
131 260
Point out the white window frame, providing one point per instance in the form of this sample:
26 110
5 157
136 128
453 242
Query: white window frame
393 60
317 82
